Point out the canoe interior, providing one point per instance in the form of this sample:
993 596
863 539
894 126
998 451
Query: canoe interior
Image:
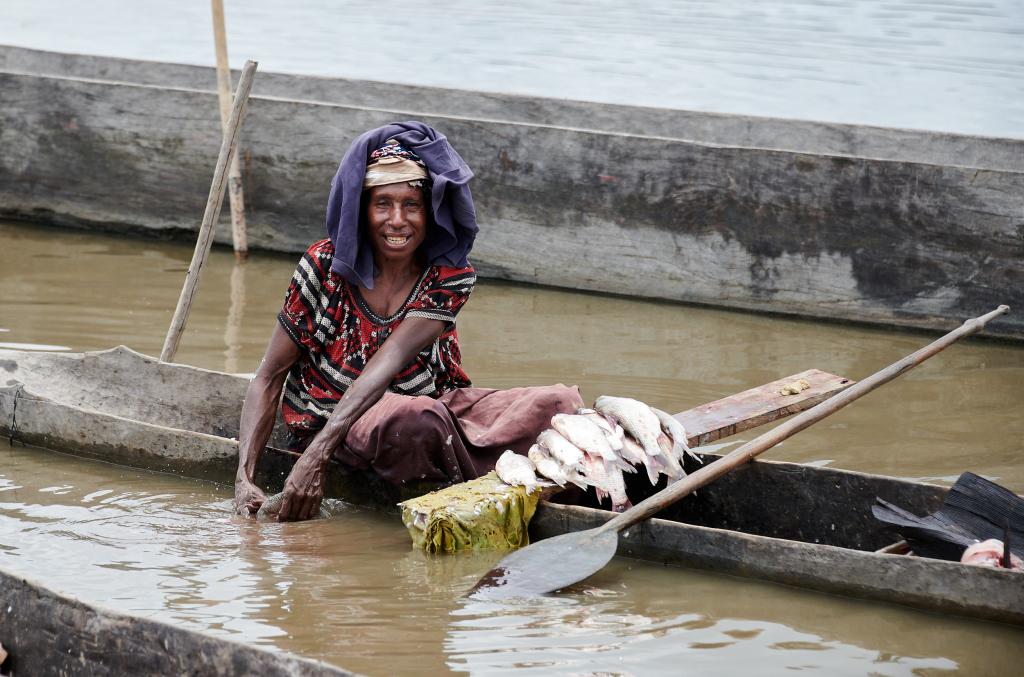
793 502
50 633
124 407
121 382
133 407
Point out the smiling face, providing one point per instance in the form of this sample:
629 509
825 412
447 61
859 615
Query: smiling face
396 222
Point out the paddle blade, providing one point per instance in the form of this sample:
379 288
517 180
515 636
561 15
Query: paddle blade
549 565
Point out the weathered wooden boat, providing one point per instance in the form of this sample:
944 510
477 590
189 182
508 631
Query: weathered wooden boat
794 524
49 633
124 407
857 223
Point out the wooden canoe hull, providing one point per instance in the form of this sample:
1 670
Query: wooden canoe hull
917 229
100 406
124 407
49 633
788 523
933 585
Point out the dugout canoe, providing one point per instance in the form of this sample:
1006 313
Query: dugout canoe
883 226
124 407
787 523
46 632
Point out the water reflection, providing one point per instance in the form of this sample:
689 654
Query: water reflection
601 631
350 590
236 315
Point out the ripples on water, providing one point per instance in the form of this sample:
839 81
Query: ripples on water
351 591
952 65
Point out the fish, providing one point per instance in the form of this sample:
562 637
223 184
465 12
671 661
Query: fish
516 470
585 434
561 449
547 466
272 506
672 427
631 450
637 419
612 430
989 554
607 479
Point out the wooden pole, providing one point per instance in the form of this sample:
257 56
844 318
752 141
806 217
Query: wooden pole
210 216
235 194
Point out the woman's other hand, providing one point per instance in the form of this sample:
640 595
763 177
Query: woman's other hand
248 497
304 489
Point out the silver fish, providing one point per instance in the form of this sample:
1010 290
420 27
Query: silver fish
585 434
272 506
516 470
637 419
633 452
547 466
671 426
606 479
672 466
561 449
612 430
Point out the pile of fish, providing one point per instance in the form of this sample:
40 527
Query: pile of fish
593 447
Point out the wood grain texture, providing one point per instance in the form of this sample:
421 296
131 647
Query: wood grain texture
49 633
947 587
849 238
804 136
136 417
758 406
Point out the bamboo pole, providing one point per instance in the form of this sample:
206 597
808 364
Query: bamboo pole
210 216
235 194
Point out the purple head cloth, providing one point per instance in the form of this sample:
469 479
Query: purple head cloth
450 236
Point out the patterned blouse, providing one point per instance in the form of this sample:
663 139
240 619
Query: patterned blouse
338 333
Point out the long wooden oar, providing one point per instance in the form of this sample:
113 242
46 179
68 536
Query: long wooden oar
558 562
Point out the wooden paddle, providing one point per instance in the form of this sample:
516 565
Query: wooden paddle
558 562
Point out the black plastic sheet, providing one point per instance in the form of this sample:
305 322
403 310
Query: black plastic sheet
975 509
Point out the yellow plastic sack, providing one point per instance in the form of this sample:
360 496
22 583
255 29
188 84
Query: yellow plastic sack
482 514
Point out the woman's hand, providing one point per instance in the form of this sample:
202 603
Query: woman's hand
304 489
248 497
257 419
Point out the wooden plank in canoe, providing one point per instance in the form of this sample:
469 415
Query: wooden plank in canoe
758 406
751 408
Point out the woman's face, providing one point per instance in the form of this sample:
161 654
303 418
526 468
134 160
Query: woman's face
396 219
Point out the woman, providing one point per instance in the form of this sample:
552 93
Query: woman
366 348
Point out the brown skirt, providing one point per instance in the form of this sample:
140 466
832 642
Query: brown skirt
456 437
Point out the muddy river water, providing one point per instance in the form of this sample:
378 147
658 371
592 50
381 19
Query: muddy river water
351 591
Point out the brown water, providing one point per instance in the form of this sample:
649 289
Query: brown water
351 591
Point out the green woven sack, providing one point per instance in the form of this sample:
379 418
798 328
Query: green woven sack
482 514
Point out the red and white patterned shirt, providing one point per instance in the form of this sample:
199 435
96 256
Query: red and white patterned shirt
338 333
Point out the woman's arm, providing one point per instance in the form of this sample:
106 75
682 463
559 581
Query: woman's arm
259 412
304 488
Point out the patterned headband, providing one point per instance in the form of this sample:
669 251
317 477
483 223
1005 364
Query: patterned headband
393 163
